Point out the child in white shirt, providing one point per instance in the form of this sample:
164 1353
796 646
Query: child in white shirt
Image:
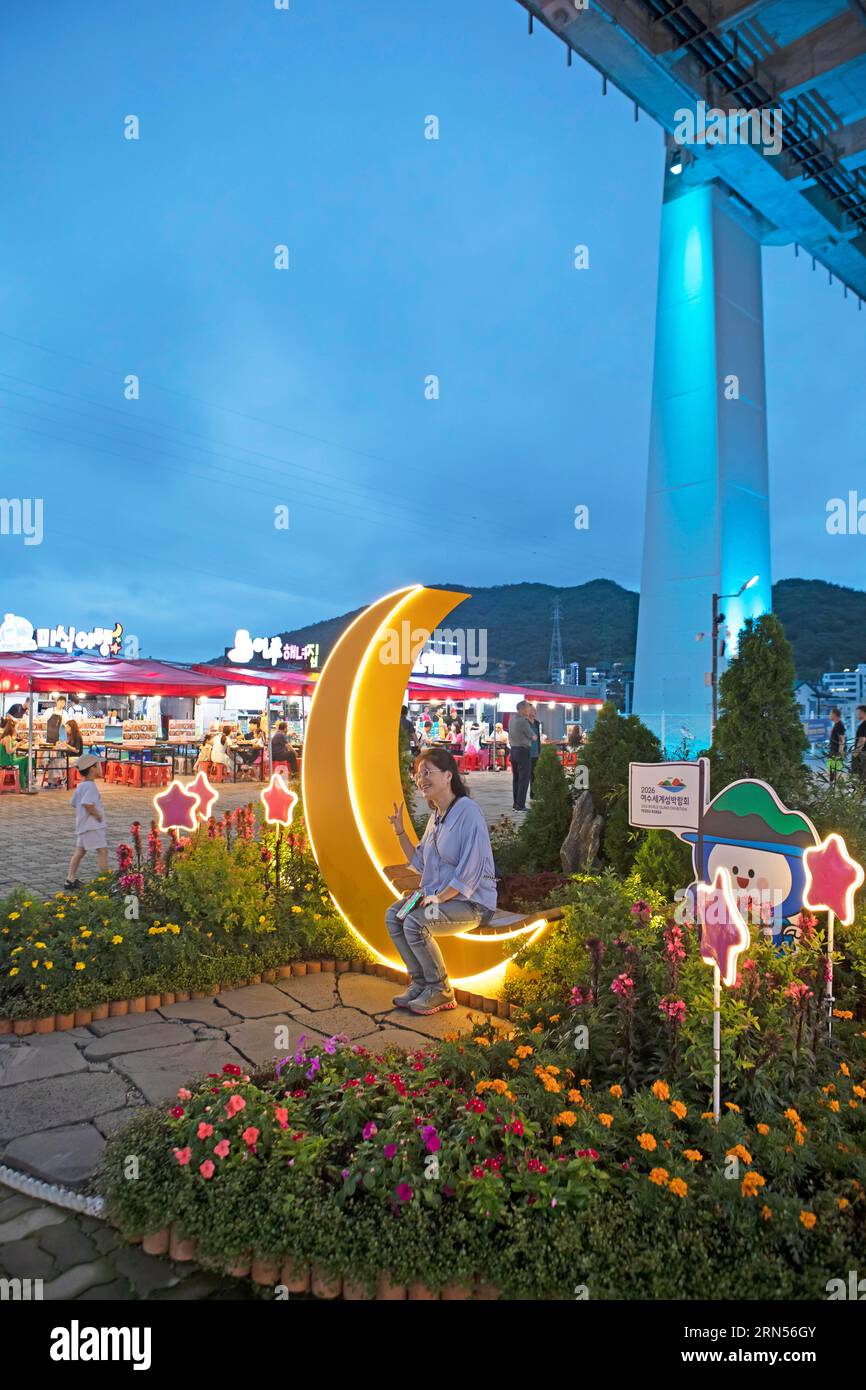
90 830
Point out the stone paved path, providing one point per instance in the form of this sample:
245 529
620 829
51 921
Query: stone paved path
37 832
80 1258
63 1094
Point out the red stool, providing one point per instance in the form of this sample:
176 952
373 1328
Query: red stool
114 769
8 779
154 775
215 773
132 774
74 778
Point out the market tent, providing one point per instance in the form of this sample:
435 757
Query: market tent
465 688
102 676
277 681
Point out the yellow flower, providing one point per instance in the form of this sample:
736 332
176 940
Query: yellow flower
60 916
647 1142
262 920
297 909
661 1090
85 931
34 963
751 1184
13 916
808 1218
15 950
481 1041
40 945
859 1091
79 965
116 940
842 1203
766 1213
678 1109
678 1187
616 1092
659 1176
843 1067
693 1155
606 1120
524 1050
834 1105
763 1129
707 1115
731 1106
565 1117
14 970
49 965
557 1139
739 1151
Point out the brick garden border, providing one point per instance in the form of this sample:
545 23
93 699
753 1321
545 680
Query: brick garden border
118 1008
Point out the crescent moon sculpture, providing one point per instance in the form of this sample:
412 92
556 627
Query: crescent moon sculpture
351 778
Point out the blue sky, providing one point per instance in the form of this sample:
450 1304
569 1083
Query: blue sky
305 388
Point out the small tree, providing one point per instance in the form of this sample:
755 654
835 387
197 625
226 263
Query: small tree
614 742
759 733
549 815
664 862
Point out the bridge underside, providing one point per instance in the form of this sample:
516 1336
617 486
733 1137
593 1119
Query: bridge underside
803 58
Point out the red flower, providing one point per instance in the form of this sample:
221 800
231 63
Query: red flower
177 1111
587 1153
231 1070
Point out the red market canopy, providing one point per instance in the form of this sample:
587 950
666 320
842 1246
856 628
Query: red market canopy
102 676
465 688
277 681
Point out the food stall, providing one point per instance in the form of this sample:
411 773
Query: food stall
140 743
268 691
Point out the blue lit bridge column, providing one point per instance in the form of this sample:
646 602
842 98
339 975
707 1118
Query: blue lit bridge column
707 526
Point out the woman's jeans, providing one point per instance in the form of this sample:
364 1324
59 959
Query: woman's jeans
415 936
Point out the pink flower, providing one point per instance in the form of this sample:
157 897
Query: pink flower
204 1131
250 1135
222 1148
404 1192
183 1156
673 1009
235 1104
623 985
370 1128
206 1169
389 1150
184 1094
281 1115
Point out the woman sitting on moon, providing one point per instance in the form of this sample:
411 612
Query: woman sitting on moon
458 881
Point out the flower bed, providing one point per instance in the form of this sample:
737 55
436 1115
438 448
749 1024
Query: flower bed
232 902
492 1157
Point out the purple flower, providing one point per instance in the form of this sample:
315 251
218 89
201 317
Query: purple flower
404 1192
315 1065
370 1128
299 1054
345 1174
431 1139
389 1150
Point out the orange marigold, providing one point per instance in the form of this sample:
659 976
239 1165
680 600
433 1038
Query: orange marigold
678 1109
751 1184
576 1097
606 1120
661 1090
693 1155
766 1213
842 1203
731 1106
843 1067
616 1092
659 1176
565 1117
740 1151
808 1218
647 1142
524 1050
678 1187
763 1129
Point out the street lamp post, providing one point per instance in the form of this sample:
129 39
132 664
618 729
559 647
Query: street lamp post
718 619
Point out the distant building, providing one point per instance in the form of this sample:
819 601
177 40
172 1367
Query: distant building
848 685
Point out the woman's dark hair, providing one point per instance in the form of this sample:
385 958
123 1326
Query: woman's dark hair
8 729
73 733
441 758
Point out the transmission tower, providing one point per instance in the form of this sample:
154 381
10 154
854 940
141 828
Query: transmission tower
555 662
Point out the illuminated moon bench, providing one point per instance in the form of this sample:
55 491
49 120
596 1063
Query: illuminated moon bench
501 926
351 780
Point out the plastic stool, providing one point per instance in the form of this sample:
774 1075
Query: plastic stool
132 775
154 775
8 779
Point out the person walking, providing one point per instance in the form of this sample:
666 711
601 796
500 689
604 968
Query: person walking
521 735
90 829
858 753
458 881
838 740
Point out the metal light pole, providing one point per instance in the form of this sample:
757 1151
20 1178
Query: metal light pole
718 619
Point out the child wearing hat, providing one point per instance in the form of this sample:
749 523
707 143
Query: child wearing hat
90 831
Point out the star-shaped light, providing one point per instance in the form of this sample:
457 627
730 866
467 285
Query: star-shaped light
832 879
724 933
279 801
202 790
176 808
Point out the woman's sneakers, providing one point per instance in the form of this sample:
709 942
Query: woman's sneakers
402 1001
432 999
